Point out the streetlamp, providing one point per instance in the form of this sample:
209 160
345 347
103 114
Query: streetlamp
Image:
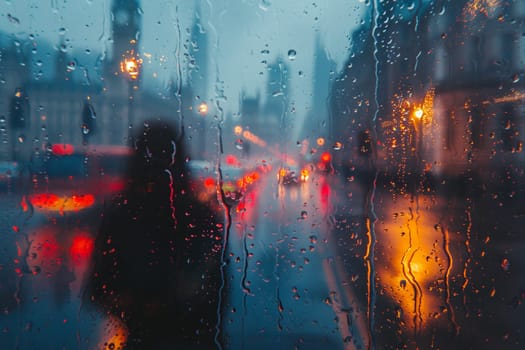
418 118
130 67
203 109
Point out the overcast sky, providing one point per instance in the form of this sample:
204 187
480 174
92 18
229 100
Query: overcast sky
239 30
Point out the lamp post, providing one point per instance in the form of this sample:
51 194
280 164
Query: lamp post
130 67
418 118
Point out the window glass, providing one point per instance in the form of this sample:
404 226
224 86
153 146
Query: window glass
230 174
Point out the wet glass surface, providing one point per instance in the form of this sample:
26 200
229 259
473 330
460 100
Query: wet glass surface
255 174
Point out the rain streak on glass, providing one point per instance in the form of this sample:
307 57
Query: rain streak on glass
345 174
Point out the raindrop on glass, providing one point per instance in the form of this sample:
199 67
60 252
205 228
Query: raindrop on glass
337 146
265 4
239 144
71 66
291 54
505 264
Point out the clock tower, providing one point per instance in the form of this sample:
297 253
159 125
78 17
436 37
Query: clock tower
125 28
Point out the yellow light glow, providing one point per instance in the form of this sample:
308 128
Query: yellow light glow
131 67
203 108
305 174
114 335
417 263
320 141
54 203
418 113
237 130
253 138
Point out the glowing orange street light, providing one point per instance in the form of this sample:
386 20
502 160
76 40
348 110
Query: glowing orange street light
237 130
418 113
203 108
131 66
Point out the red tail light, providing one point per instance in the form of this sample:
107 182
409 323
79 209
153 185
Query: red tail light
81 248
62 149
326 157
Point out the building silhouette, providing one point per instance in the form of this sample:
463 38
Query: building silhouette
459 68
67 105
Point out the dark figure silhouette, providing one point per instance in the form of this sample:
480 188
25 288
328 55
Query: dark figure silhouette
157 255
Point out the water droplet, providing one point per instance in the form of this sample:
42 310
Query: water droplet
13 19
62 31
71 66
21 138
264 5
85 129
403 284
301 73
337 146
505 264
239 144
515 78
291 54
265 52
304 214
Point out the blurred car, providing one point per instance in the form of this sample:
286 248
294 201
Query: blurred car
235 182
291 175
66 197
69 178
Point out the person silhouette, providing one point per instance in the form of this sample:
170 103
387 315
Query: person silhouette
156 263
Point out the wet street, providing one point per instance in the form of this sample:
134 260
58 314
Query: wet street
308 265
286 281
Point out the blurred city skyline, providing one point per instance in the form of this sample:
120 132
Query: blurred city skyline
241 41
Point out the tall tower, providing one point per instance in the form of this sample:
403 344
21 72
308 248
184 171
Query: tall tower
198 65
324 69
125 28
198 87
